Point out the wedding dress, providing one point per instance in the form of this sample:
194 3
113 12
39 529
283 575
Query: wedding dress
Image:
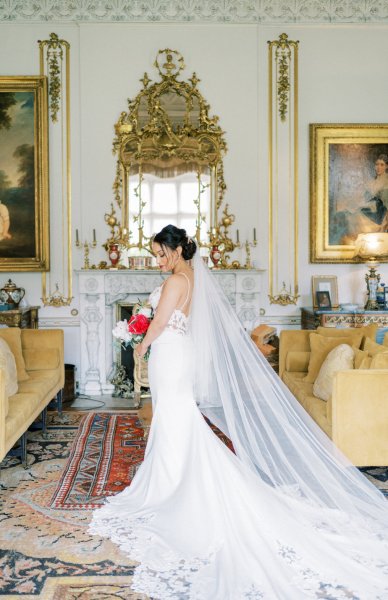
207 524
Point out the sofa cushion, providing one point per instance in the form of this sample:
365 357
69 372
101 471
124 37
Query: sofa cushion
45 358
8 364
300 388
13 338
320 348
379 360
40 382
318 409
372 348
297 361
367 331
22 406
359 356
338 359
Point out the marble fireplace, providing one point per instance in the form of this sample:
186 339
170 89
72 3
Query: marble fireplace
101 292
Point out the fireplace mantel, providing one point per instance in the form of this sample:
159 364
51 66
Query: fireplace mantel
102 290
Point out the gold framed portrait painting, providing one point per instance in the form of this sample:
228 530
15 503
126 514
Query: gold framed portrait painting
348 187
24 191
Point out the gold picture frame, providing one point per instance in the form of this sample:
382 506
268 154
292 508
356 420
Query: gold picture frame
325 283
348 195
24 177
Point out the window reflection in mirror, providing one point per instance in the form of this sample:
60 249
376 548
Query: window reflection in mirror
170 200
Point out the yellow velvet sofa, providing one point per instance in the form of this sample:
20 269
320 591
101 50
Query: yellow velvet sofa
356 416
39 358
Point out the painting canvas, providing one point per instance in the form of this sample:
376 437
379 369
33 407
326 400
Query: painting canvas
23 174
349 187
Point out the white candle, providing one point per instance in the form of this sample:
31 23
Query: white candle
94 236
76 237
237 236
254 234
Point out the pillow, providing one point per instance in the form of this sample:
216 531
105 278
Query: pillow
8 364
338 359
359 357
367 331
13 338
372 348
379 361
365 363
320 348
385 340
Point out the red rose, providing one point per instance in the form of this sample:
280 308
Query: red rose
138 324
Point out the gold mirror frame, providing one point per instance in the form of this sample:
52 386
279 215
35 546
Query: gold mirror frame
147 135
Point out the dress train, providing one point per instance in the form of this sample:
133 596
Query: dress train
204 526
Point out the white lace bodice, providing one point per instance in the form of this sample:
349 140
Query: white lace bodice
178 321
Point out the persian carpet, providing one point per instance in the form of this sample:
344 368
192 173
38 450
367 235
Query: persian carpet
106 453
46 552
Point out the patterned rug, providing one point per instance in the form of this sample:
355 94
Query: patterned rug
106 453
46 552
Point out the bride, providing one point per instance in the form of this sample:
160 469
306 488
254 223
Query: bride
285 517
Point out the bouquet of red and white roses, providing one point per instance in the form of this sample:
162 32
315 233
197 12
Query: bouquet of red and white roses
132 332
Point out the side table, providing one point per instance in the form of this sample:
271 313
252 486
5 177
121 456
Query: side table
311 318
25 318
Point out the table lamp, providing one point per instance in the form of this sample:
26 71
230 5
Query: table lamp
371 248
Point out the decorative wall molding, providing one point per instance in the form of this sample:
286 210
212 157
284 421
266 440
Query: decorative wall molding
58 322
195 11
282 321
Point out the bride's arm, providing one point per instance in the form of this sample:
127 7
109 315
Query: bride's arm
171 295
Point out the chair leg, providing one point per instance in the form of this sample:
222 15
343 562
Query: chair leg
44 420
59 398
23 449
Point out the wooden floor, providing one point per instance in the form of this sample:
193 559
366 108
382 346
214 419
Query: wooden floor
101 403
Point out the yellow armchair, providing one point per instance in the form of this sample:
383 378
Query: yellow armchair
356 417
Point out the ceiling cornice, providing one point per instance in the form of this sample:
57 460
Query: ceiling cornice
195 11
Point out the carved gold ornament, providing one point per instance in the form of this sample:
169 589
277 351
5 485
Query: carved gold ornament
167 129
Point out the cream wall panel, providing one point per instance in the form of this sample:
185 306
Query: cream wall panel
342 79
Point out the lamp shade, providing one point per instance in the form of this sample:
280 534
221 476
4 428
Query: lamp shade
370 246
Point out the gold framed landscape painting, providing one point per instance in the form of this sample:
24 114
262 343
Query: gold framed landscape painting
24 185
348 187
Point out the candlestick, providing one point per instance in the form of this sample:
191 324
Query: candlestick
254 234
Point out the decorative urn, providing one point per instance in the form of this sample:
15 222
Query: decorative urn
11 294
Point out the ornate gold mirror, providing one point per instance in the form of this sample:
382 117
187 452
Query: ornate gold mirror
169 162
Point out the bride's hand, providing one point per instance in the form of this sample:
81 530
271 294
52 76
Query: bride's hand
140 350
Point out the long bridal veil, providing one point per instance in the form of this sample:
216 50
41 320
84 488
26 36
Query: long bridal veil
270 431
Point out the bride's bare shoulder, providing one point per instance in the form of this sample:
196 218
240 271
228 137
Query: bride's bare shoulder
176 281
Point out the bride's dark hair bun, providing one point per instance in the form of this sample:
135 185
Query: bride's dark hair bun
172 237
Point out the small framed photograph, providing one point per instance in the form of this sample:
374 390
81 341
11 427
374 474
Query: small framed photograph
325 283
323 300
